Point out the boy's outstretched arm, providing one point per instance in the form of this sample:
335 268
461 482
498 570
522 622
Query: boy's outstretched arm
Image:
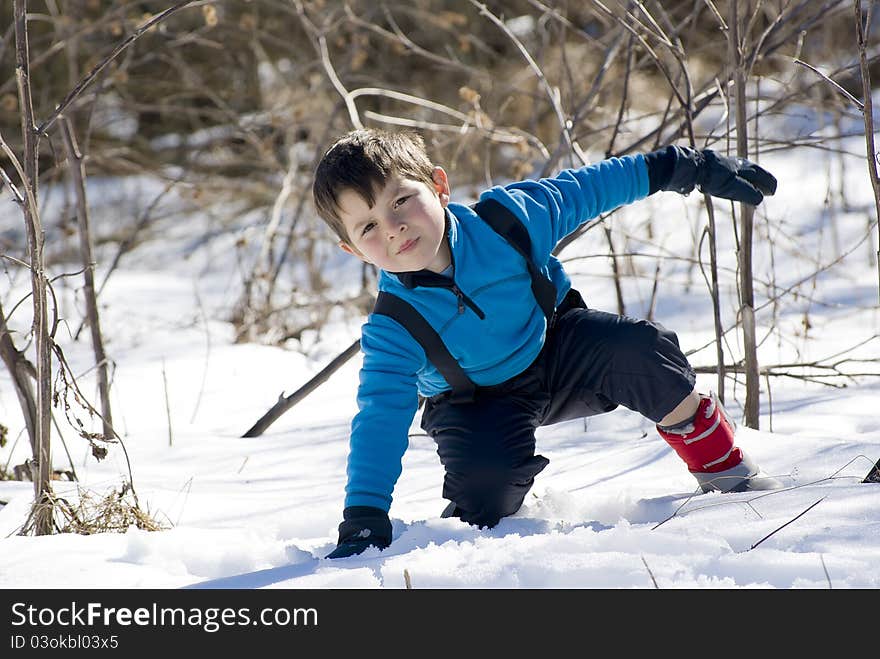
552 208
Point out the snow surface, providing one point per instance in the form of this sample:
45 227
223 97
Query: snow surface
614 509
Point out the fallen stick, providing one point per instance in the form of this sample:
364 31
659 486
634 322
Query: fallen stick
286 402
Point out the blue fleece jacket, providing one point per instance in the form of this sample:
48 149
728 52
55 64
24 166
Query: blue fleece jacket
496 334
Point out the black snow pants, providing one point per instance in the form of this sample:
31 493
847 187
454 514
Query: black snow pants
592 361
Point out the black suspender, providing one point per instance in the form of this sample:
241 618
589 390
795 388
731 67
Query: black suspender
404 313
507 225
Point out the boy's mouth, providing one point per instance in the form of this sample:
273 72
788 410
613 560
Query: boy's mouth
408 245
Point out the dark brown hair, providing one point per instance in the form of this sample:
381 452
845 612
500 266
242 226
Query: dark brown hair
363 161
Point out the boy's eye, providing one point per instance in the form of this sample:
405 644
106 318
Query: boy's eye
400 201
367 227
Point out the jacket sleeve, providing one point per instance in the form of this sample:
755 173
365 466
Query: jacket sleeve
552 208
387 402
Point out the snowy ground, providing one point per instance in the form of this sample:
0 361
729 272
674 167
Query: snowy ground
614 509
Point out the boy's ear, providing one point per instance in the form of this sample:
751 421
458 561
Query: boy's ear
441 185
349 249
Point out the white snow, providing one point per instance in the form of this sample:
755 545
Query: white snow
614 508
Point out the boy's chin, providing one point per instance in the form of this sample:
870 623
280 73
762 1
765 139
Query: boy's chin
408 265
401 269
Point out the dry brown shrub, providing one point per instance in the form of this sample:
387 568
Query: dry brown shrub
114 512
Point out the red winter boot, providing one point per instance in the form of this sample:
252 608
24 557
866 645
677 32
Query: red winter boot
706 444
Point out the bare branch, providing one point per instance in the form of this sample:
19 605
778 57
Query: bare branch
844 93
90 76
552 93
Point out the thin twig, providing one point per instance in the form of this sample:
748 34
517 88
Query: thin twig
66 450
337 83
188 487
651 574
552 94
766 493
4 177
868 113
853 99
808 509
825 569
204 316
167 405
82 84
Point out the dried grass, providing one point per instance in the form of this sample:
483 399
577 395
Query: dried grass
114 512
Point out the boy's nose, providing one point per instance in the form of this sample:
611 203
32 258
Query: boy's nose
395 227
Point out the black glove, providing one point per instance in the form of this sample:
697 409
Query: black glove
362 527
737 179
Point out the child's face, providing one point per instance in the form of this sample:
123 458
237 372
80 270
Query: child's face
404 230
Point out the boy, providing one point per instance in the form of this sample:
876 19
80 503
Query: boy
512 346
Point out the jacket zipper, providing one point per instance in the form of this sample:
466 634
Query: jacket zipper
438 281
465 300
462 298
